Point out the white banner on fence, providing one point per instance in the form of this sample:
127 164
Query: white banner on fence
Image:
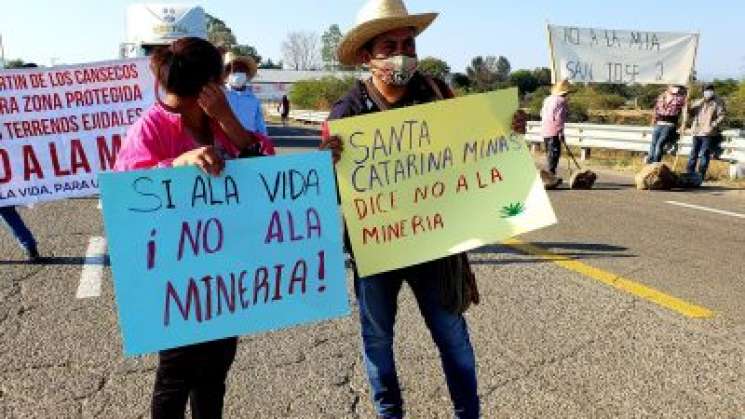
585 55
61 126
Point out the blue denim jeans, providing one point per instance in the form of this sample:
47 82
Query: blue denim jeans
377 297
660 135
703 148
18 227
553 153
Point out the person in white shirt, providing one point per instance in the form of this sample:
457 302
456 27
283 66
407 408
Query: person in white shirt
246 106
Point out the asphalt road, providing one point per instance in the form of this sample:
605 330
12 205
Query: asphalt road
550 341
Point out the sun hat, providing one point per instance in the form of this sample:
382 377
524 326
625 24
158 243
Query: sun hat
375 18
562 88
249 62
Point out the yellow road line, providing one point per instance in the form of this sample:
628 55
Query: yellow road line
627 285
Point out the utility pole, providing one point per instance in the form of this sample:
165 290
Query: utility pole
2 52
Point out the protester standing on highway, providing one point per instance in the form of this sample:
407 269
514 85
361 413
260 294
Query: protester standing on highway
284 109
245 105
708 115
16 225
384 39
192 125
667 111
554 115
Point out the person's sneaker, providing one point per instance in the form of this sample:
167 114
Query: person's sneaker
32 254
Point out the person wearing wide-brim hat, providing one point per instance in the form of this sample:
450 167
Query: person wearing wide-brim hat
384 39
238 63
554 115
239 70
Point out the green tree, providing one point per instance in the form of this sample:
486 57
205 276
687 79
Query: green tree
17 63
434 67
543 76
320 93
726 87
482 73
503 69
525 81
269 64
736 107
460 81
222 36
330 41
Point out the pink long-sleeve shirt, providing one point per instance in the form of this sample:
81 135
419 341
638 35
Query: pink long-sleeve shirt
159 137
554 116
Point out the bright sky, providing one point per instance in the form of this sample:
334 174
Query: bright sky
75 31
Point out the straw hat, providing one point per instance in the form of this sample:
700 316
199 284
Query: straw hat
378 17
562 88
249 62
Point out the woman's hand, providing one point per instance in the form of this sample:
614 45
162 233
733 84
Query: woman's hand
214 103
334 144
205 158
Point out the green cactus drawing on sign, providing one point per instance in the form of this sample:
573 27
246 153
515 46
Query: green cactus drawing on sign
512 210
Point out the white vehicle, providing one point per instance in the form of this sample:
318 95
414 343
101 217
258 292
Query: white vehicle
152 25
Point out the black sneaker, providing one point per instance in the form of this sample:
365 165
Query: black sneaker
32 255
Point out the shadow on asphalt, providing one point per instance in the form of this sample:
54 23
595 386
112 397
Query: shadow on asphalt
61 261
573 256
577 251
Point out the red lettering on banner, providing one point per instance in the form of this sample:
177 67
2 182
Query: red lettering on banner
58 171
402 229
78 159
7 174
31 164
8 106
106 156
103 96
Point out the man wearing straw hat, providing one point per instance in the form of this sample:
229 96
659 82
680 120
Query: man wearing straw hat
553 118
384 40
239 71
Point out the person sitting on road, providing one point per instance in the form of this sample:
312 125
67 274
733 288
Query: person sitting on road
238 73
554 115
708 115
192 125
667 111
385 39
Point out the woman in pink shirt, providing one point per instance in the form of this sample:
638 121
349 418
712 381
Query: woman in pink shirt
191 125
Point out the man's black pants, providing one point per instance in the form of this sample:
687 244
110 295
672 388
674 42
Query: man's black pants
553 153
194 372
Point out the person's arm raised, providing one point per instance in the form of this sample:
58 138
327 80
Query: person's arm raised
215 105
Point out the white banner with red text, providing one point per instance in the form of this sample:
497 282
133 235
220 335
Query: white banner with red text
61 126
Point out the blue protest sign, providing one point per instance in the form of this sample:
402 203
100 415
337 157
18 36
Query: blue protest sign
197 258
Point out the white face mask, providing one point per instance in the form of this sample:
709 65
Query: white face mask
237 80
708 94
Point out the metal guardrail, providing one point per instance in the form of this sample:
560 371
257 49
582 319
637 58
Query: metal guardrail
589 136
639 138
306 116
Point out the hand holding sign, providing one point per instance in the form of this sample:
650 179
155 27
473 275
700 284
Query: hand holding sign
197 258
204 157
427 181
